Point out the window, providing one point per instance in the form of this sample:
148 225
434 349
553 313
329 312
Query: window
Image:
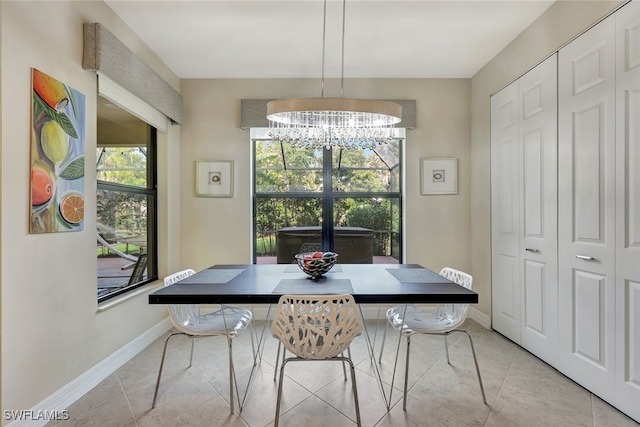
347 201
125 201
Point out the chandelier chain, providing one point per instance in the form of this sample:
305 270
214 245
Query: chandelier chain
333 122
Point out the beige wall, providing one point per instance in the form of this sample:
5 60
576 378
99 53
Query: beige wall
51 330
559 24
217 230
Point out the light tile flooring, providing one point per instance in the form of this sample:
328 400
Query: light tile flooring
521 390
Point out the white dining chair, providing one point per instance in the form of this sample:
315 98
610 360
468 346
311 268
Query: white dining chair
410 320
187 319
316 327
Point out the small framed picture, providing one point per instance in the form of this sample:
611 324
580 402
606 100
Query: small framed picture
214 178
439 176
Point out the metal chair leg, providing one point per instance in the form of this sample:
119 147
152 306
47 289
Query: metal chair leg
164 352
384 337
193 343
231 375
406 374
355 390
284 355
344 368
279 398
253 344
475 360
275 367
446 348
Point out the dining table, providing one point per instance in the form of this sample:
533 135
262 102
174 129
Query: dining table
253 284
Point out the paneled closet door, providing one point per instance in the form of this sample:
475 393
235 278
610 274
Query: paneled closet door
538 214
628 209
505 212
586 209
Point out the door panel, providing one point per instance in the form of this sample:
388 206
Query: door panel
586 209
539 209
628 209
505 228
631 351
587 145
533 213
534 297
590 323
507 301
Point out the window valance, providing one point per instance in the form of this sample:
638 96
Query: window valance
105 53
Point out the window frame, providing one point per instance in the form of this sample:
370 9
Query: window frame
151 192
328 196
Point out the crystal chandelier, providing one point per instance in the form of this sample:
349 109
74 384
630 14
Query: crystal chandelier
333 122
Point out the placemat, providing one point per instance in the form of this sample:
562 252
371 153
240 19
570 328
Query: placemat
416 275
214 275
293 268
310 287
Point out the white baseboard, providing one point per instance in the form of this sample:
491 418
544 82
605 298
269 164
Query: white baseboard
68 394
479 317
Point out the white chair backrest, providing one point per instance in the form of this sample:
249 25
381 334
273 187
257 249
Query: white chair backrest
182 315
316 326
176 277
458 312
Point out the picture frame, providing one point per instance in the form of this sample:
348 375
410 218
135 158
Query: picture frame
214 178
438 176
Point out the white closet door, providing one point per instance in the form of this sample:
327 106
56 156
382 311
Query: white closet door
586 209
505 220
538 213
628 209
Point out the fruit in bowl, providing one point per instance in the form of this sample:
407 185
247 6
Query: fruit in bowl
316 264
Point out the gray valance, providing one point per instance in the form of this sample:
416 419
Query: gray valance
253 113
105 53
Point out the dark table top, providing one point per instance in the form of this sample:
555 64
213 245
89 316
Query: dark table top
265 284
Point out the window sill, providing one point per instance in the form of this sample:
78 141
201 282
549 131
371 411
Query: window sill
103 306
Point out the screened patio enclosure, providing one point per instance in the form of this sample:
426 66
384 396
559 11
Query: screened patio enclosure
336 199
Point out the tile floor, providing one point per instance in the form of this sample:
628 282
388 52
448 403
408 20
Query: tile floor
521 390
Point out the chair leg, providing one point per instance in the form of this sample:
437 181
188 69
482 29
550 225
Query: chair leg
284 355
231 376
446 349
406 375
275 367
344 368
355 390
475 360
279 398
253 344
164 352
384 337
193 343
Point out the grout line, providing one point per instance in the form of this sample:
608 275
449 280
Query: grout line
504 380
126 397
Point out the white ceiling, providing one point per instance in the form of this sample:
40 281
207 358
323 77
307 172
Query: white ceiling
283 39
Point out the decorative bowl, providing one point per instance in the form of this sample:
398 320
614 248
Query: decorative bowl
316 264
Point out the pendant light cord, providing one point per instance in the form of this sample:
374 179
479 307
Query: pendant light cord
344 8
324 41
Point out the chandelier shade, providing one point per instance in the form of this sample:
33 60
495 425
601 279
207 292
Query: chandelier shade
333 122
362 112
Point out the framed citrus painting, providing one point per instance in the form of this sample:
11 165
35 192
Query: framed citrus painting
57 156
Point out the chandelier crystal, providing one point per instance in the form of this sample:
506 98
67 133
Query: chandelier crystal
333 122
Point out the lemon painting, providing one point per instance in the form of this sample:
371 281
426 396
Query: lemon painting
57 156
